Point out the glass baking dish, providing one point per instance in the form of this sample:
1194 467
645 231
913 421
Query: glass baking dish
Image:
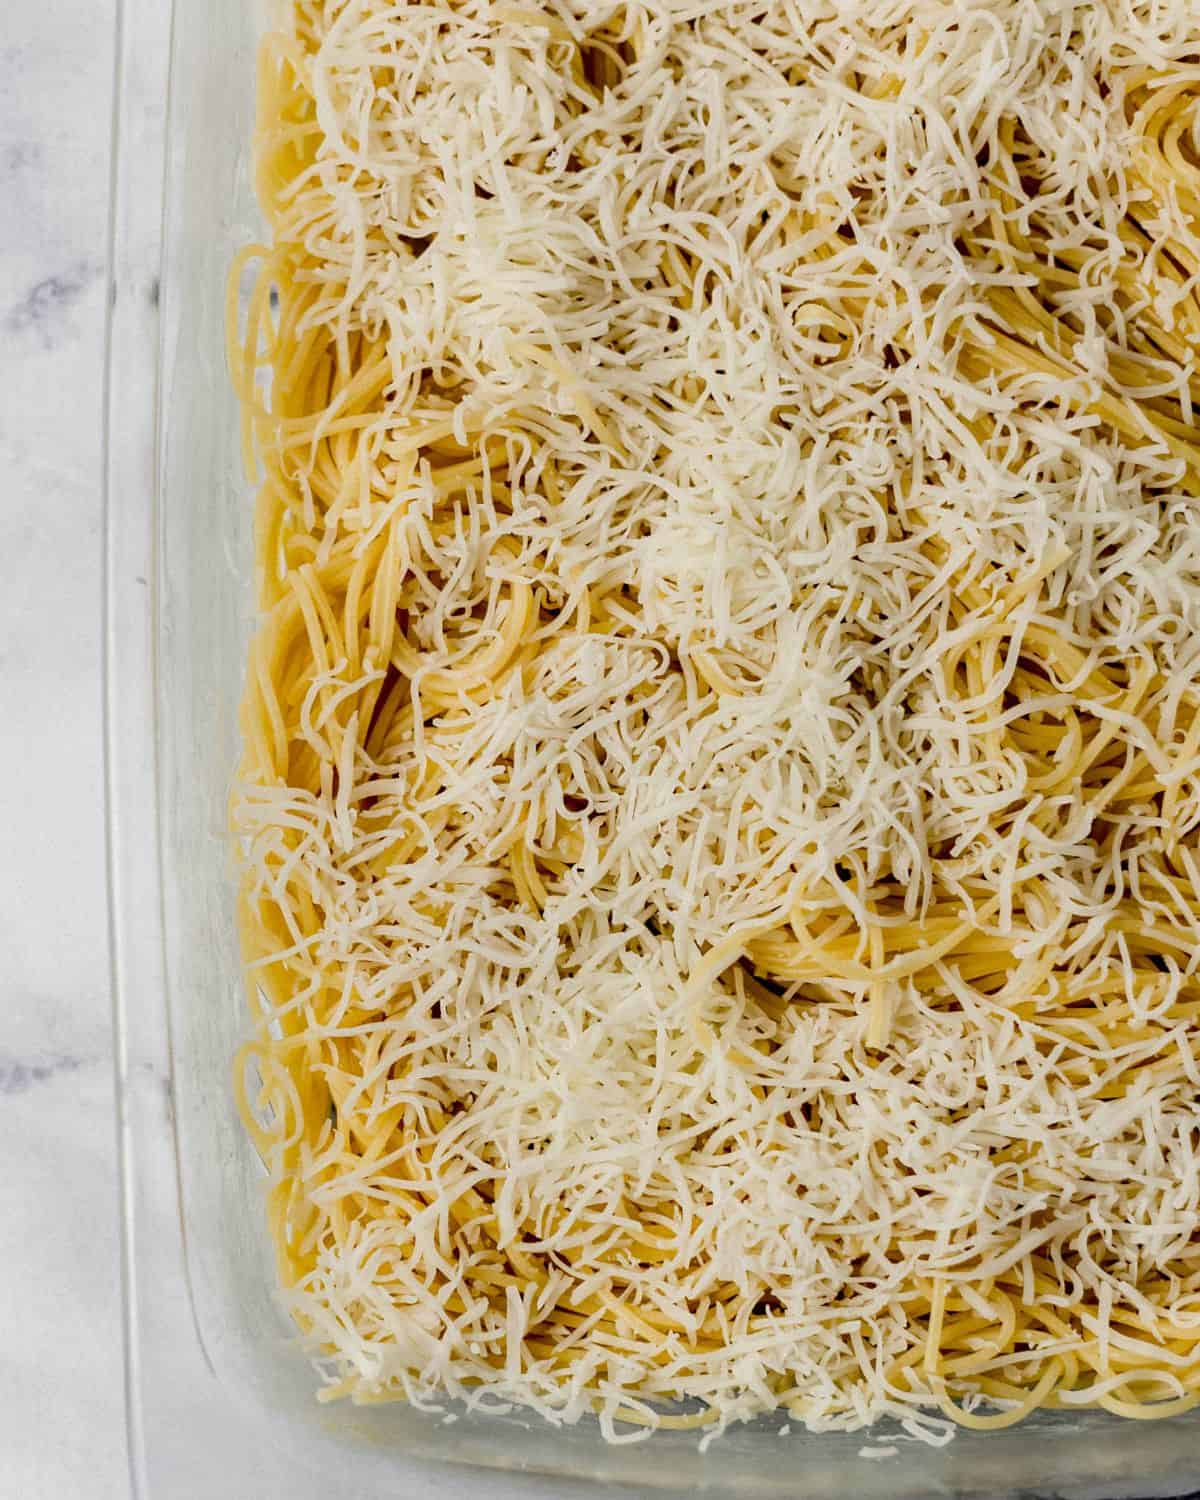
220 1398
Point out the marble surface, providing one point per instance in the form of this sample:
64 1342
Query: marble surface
61 1405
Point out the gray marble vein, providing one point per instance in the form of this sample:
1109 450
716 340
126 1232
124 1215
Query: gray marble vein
45 309
18 1075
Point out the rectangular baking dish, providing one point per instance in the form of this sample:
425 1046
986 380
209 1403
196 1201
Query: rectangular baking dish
220 1398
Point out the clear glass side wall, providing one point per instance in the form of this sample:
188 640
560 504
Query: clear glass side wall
220 1399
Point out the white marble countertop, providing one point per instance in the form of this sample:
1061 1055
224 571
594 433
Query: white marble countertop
61 1405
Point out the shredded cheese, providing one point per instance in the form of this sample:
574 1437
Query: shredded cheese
722 749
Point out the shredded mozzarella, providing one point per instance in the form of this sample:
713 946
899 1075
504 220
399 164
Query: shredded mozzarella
723 749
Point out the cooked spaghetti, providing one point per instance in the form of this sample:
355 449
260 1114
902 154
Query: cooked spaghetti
721 789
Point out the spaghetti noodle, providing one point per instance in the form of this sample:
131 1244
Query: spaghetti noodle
722 747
